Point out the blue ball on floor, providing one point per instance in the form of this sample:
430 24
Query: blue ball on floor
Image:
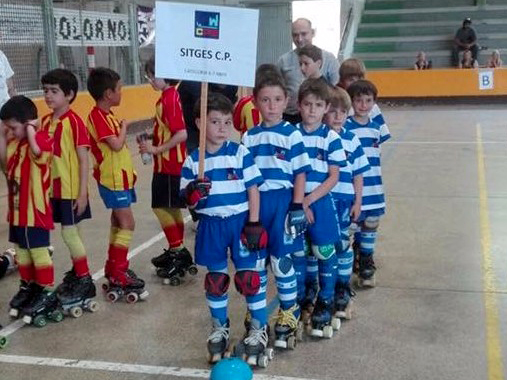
231 369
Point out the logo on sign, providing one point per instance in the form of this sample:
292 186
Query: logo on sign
207 24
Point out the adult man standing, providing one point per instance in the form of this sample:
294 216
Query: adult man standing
288 63
465 39
6 83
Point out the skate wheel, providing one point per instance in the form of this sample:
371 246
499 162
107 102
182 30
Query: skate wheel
262 361
270 353
192 270
144 295
112 296
132 298
327 332
317 333
39 321
76 312
93 306
57 316
3 341
336 324
27 319
253 360
280 344
105 287
174 281
14 313
291 342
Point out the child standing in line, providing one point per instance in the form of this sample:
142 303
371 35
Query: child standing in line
347 195
371 135
278 150
326 156
169 152
227 201
69 177
25 157
310 61
115 177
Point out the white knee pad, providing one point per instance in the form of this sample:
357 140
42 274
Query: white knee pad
282 267
323 252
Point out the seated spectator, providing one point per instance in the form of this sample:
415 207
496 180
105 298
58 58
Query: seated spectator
468 62
422 63
465 39
494 60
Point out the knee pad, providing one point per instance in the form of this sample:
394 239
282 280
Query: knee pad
216 283
372 222
323 252
248 282
281 266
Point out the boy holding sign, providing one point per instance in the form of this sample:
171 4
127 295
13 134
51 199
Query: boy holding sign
227 201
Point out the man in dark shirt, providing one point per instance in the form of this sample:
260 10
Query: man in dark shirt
465 39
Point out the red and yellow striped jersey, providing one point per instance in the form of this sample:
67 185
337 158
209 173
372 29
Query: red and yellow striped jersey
169 120
29 181
246 116
113 170
68 133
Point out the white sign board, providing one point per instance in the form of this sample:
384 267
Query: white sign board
206 43
486 80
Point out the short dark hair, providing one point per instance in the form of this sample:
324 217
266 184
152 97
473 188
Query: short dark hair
266 69
352 67
100 80
64 78
339 98
311 51
19 108
216 102
362 87
269 80
149 68
316 87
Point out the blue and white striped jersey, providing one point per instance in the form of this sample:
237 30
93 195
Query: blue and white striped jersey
324 148
357 163
231 171
371 135
279 153
375 115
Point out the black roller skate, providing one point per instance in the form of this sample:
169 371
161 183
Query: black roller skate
77 296
321 319
218 342
68 279
43 306
21 299
286 327
253 348
126 285
307 304
181 262
343 301
366 276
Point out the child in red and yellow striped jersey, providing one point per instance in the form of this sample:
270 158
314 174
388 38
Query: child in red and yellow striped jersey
25 156
115 177
69 177
169 153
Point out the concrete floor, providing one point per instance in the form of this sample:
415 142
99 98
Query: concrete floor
426 319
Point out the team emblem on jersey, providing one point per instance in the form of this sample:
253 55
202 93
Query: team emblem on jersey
280 153
231 174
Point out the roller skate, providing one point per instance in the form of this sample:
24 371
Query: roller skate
68 279
181 262
321 319
10 255
253 347
307 304
126 285
366 276
357 255
287 327
21 299
43 306
218 342
343 302
77 296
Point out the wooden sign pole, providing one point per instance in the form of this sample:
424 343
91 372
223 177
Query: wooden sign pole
202 128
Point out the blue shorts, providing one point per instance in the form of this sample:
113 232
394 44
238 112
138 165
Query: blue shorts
117 199
273 210
366 213
325 229
64 212
343 207
216 235
29 237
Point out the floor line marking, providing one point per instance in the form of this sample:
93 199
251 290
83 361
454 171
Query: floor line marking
122 367
16 325
493 344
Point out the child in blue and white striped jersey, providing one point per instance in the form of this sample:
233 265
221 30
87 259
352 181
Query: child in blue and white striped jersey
347 195
227 200
371 135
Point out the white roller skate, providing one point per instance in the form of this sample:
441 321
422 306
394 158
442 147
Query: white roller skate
218 342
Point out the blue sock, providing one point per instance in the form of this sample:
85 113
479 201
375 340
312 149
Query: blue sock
312 269
345 261
257 303
368 242
299 261
286 284
327 278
